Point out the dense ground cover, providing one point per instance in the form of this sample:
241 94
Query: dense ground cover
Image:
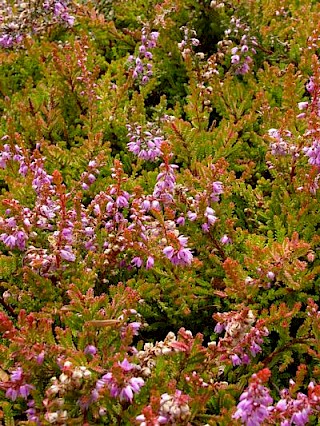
159 212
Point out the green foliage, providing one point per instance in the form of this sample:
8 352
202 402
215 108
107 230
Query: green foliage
66 99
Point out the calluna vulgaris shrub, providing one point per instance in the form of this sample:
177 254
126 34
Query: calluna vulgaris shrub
159 212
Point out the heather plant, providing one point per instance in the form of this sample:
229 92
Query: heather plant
159 174
22 20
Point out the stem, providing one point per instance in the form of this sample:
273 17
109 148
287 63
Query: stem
285 347
8 308
217 246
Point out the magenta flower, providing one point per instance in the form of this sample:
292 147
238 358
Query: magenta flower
181 256
16 375
236 360
67 254
216 190
225 239
126 365
235 59
169 252
135 327
192 216
166 181
128 386
210 215
12 394
137 261
8 240
18 388
142 70
40 357
90 350
134 385
150 262
146 145
294 411
122 200
313 153
253 408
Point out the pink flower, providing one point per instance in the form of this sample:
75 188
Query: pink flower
126 390
313 152
9 240
90 350
192 216
134 385
181 256
126 365
135 326
67 254
137 261
225 240
235 59
122 201
210 216
253 408
169 252
150 262
16 375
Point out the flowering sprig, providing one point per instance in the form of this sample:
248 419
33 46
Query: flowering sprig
174 409
255 402
16 386
188 42
282 146
242 338
165 186
200 204
241 54
121 381
29 18
74 229
256 406
177 252
145 144
142 63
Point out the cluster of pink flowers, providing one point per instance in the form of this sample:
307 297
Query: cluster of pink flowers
142 63
89 176
17 387
197 211
174 409
59 10
189 41
28 18
166 180
313 153
241 55
121 383
145 144
242 337
294 411
74 231
282 144
254 406
178 253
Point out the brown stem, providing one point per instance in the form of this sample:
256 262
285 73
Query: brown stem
8 308
286 346
218 247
